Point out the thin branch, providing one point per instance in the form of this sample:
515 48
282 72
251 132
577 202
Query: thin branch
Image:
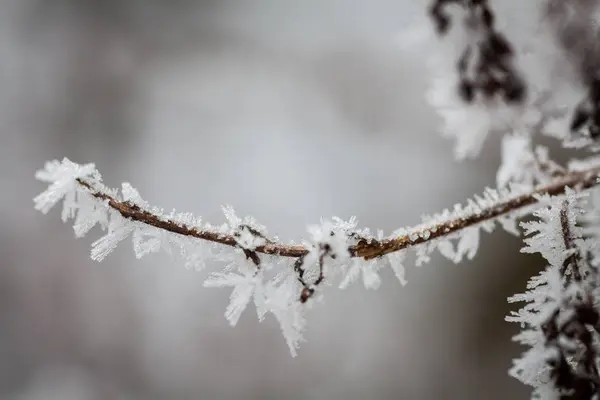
365 248
573 260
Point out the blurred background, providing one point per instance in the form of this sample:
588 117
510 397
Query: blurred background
289 111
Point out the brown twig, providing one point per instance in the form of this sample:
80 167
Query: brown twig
575 258
365 248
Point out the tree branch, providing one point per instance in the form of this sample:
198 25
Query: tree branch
365 248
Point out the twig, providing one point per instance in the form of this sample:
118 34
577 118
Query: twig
573 260
365 248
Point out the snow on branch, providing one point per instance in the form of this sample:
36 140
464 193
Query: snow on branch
283 279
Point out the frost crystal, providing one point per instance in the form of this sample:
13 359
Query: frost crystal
247 286
368 271
396 259
118 229
62 177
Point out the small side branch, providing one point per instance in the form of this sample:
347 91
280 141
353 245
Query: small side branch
574 260
574 370
365 248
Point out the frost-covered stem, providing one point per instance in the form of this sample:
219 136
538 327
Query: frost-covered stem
365 248
134 212
574 371
575 258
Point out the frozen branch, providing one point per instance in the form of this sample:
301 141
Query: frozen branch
367 248
335 248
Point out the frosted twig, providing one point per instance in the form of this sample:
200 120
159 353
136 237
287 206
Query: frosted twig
560 315
366 248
